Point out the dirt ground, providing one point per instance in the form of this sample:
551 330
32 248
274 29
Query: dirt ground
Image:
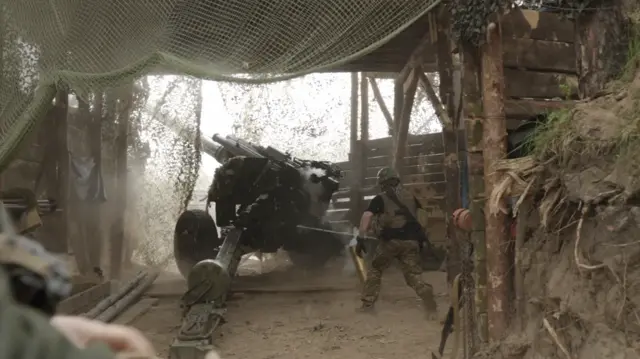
307 325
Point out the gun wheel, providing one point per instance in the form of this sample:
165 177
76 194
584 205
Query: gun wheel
195 239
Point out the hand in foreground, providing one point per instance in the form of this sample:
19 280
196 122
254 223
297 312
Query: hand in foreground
360 249
121 339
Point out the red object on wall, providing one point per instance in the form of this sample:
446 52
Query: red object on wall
462 219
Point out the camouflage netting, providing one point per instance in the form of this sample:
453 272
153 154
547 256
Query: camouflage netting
88 47
93 45
165 149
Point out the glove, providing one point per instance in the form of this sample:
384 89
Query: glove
360 249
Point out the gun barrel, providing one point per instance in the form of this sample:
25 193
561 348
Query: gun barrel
236 147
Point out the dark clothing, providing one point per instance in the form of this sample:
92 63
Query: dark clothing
27 334
376 206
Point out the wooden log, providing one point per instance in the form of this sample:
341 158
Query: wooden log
495 148
136 311
112 299
472 109
537 25
539 55
84 300
531 84
125 302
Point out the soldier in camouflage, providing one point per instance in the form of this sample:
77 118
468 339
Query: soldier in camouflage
398 240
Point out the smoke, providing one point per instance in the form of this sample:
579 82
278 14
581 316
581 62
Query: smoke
316 189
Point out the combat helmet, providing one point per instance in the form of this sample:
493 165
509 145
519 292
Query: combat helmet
386 174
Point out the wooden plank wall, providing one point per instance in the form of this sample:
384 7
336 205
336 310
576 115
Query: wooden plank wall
540 64
423 174
540 75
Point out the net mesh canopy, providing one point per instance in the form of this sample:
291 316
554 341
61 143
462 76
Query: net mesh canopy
91 45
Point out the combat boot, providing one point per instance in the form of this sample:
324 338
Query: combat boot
429 305
366 308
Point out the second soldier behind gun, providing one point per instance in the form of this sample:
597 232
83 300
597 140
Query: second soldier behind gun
401 238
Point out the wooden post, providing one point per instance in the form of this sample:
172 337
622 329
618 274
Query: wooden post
400 146
495 148
120 196
521 232
56 171
475 318
450 143
354 201
398 100
364 130
94 225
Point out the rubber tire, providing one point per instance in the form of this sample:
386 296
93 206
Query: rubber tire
195 238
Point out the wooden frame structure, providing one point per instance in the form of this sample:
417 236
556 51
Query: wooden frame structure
528 66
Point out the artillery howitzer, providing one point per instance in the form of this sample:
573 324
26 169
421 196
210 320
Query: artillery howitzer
265 200
275 193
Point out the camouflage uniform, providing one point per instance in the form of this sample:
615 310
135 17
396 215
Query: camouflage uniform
32 337
406 250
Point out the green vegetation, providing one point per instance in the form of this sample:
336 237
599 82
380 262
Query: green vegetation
578 131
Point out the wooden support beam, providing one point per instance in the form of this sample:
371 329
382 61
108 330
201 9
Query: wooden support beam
495 149
475 311
56 169
364 133
417 55
353 148
383 107
93 225
398 100
440 110
121 144
405 118
446 110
